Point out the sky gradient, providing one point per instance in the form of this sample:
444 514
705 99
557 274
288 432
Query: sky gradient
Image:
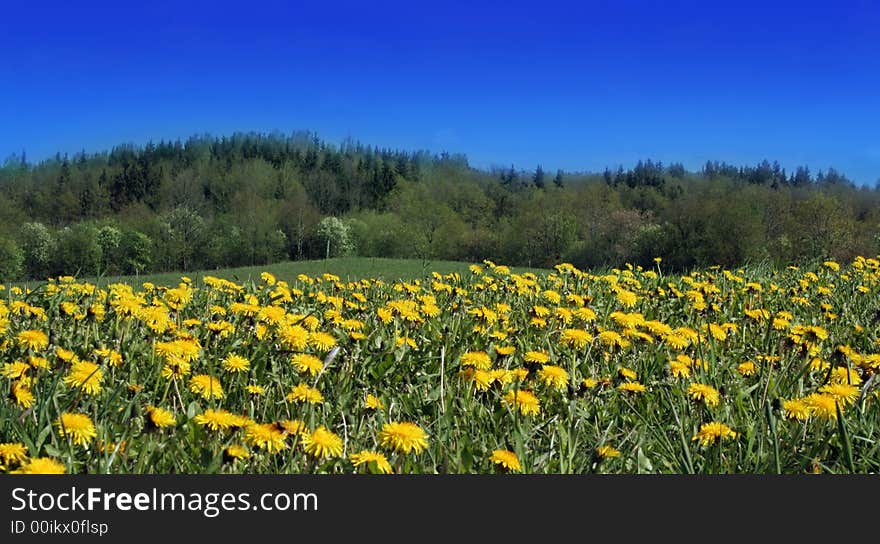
578 86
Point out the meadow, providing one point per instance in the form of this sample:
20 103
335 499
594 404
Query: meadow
452 368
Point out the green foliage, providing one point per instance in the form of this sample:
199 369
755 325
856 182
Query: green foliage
11 260
337 236
38 247
252 199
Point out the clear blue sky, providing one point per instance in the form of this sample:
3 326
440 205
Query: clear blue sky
577 86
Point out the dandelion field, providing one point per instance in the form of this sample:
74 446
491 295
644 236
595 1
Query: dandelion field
758 370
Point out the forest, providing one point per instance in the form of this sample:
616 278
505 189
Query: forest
253 198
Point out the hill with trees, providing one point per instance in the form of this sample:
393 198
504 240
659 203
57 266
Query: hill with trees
254 199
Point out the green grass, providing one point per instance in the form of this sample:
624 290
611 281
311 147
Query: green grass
347 268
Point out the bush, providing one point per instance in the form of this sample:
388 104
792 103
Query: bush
11 260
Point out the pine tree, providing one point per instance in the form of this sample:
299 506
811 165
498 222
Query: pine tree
538 178
558 179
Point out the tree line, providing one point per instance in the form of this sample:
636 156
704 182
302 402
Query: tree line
253 199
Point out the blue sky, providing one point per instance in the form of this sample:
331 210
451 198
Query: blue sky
577 86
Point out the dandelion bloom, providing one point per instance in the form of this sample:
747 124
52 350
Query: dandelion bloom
304 393
236 363
504 351
576 338
12 453
627 373
207 386
679 369
266 436
216 419
374 403
607 452
506 459
78 427
747 368
709 433
796 409
524 400
41 465
160 417
553 376
307 363
477 359
627 298
366 457
403 437
321 341
706 393
294 337
632 387
255 389
86 376
323 444
293 427
822 405
22 395
33 339
236 451
844 393
539 357
15 370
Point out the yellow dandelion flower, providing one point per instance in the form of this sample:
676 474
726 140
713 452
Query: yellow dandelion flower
294 427
403 437
627 373
207 386
294 337
15 370
236 363
553 376
607 452
374 403
822 405
504 351
86 376
216 420
160 417
506 459
525 401
33 339
304 393
12 453
679 369
842 374
590 383
321 341
795 409
477 359
539 357
255 389
703 392
747 368
710 433
265 436
576 338
307 363
78 427
323 444
627 298
374 460
844 393
236 451
41 465
519 374
632 387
